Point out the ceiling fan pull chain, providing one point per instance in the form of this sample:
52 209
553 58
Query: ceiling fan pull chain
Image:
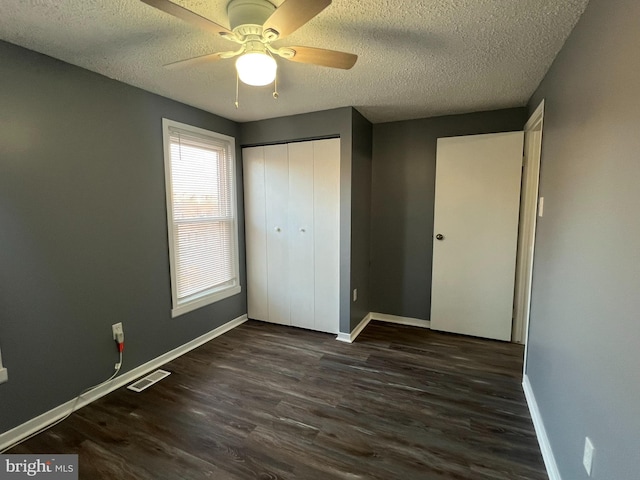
237 87
275 87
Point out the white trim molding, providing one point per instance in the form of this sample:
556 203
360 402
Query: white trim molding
413 322
4 374
522 318
529 208
350 337
541 433
382 317
536 116
20 432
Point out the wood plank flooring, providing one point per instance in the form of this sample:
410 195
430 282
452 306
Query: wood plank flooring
270 402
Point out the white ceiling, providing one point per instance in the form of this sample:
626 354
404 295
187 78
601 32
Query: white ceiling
417 58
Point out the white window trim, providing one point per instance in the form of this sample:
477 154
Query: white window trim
4 375
211 296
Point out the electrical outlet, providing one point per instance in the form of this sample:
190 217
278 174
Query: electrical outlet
116 328
355 294
587 459
4 375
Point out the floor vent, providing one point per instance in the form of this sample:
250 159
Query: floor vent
149 380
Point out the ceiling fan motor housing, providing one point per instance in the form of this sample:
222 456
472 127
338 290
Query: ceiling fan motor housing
246 17
255 24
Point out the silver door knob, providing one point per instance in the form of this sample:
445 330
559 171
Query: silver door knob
277 229
302 230
439 237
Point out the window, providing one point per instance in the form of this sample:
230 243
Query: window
201 213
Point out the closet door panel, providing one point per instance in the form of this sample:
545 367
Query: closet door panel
277 230
326 214
255 225
301 234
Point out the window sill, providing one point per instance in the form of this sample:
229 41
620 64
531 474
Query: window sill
206 300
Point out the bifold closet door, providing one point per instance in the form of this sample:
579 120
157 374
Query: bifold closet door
276 179
292 217
326 221
256 232
301 234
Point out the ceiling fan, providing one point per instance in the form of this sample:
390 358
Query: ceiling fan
254 25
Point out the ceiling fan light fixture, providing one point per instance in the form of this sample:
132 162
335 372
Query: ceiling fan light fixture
256 69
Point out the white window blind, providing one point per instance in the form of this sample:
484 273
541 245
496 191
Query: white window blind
201 211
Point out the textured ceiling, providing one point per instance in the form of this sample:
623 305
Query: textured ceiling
417 58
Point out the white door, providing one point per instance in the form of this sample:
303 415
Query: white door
256 231
301 265
475 234
326 222
276 173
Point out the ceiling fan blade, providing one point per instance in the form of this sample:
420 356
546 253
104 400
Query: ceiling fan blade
326 58
188 16
211 57
292 14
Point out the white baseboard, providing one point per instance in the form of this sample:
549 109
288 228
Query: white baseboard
350 337
541 433
382 317
414 322
20 432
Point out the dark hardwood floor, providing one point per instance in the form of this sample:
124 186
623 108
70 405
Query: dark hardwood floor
271 402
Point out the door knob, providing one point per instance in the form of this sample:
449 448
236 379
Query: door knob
439 237
302 230
277 229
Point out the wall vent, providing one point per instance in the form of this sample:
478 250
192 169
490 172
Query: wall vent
149 380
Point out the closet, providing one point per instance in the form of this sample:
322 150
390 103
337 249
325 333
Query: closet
292 219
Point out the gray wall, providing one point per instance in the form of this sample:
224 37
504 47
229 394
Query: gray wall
83 231
583 352
361 161
328 123
403 183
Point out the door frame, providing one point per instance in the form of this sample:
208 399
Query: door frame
526 240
